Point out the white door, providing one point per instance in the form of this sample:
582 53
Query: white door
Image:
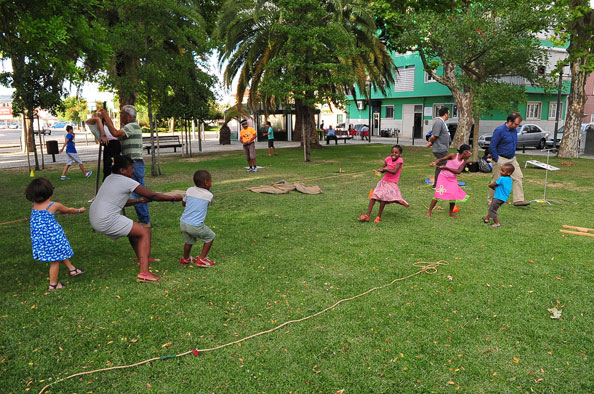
408 120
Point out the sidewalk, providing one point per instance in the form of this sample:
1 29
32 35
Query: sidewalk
12 157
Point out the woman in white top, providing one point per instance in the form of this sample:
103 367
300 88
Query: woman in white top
106 217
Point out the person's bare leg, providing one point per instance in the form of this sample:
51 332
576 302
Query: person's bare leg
269 151
206 249
82 168
275 152
431 206
53 272
452 214
68 264
140 239
370 206
381 209
65 170
187 251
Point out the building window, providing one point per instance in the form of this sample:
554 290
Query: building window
533 110
429 78
553 110
404 80
454 113
389 112
339 118
453 109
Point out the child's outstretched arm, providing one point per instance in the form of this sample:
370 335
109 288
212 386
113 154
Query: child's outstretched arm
493 185
154 196
445 158
64 145
395 170
64 209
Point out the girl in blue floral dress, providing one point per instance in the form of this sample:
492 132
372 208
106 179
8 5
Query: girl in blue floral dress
47 237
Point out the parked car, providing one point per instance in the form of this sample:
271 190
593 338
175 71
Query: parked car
14 125
529 135
342 127
585 128
60 126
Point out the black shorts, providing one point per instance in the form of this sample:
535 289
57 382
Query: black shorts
271 143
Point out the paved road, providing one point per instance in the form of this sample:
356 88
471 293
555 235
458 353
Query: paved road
11 155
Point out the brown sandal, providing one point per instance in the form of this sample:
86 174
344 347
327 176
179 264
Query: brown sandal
150 277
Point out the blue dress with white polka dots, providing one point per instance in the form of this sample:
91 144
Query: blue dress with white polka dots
47 237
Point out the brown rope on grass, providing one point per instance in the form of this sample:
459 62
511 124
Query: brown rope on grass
424 267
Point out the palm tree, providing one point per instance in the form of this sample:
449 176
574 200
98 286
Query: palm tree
298 53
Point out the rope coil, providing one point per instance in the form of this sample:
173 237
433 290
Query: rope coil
424 267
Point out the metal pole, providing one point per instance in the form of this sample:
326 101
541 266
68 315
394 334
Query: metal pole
557 112
369 105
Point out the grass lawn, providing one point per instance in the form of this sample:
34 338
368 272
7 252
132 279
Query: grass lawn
479 325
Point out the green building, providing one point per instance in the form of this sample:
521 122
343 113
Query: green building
411 104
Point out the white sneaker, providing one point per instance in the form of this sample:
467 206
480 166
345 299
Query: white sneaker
88 174
63 178
255 169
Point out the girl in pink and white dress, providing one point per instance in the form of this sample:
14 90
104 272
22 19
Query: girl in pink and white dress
446 187
387 190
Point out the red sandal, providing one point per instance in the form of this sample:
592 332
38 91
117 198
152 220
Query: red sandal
377 219
150 277
364 218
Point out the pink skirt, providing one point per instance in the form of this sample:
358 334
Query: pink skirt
447 189
388 192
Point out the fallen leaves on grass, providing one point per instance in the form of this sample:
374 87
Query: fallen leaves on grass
556 313
166 344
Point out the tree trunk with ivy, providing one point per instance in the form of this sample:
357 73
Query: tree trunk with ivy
575 104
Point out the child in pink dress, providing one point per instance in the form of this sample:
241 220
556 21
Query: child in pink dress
446 187
387 190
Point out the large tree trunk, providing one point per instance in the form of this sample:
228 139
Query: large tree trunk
32 137
149 100
463 100
305 127
575 111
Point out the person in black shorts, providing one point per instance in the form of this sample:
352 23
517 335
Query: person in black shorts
270 134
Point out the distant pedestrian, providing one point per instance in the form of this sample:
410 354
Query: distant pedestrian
440 138
270 133
504 143
72 154
331 135
247 136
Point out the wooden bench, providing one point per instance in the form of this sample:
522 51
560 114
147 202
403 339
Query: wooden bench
164 141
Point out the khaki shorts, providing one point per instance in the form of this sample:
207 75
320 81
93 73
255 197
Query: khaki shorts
250 151
193 233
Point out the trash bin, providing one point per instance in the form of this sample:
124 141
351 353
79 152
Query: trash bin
589 145
52 148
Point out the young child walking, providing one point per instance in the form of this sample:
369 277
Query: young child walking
502 187
270 134
196 202
387 190
72 154
446 186
47 237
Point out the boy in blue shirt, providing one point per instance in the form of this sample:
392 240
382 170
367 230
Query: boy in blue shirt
196 201
502 187
72 154
270 134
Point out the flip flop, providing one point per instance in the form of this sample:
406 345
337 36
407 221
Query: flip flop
76 272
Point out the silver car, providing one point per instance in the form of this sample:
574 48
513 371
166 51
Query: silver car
529 135
585 127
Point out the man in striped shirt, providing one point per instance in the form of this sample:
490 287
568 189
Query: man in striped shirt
131 138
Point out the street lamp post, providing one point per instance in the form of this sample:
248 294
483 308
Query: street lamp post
368 86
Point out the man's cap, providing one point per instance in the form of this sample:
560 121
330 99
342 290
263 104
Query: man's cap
243 121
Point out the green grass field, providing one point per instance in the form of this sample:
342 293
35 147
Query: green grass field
478 325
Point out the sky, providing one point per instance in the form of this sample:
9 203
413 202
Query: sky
91 93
